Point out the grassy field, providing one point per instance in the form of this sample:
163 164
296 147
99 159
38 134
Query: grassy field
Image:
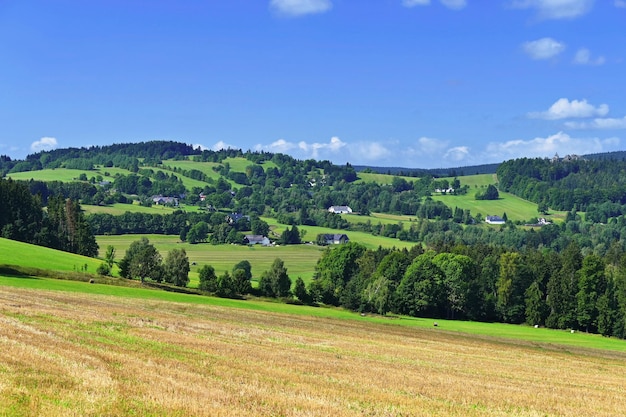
119 208
24 254
75 353
366 239
299 260
67 175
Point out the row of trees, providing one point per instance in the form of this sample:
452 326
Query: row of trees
558 290
62 226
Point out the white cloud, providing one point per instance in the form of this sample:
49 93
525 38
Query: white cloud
544 48
565 109
620 3
457 153
556 9
608 123
560 143
222 145
370 152
294 8
44 144
583 57
429 146
450 4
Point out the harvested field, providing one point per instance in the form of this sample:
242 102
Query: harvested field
81 354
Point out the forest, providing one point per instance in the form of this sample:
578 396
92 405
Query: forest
569 274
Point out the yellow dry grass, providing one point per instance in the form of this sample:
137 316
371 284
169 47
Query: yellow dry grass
67 354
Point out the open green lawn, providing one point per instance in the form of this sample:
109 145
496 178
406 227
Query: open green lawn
23 254
300 260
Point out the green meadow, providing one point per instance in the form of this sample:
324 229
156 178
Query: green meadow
368 240
300 260
119 208
25 255
68 175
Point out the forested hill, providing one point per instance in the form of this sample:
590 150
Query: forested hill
569 183
437 172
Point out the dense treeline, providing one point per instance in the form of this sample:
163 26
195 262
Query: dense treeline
479 282
565 184
62 226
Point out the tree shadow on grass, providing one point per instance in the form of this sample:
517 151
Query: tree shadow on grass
13 272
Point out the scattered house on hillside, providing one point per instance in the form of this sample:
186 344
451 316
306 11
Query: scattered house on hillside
494 220
340 209
541 222
233 218
256 240
202 196
444 190
159 200
333 239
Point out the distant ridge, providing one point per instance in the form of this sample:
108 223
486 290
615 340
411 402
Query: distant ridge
437 172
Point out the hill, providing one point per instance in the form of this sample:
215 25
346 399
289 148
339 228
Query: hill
13 253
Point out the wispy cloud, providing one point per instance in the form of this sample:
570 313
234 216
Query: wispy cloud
539 147
221 145
295 8
620 4
457 153
583 57
544 48
450 4
44 144
556 9
565 109
599 123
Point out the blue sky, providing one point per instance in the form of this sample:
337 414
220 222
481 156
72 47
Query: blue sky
412 83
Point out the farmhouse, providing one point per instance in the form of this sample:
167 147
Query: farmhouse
164 201
340 209
256 240
494 220
333 239
233 218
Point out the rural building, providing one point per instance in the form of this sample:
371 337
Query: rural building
340 209
494 220
256 240
233 218
333 239
164 201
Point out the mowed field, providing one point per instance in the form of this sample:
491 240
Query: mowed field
300 260
79 354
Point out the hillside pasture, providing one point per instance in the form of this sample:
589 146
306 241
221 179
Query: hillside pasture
515 208
26 255
368 240
300 260
67 175
71 353
382 179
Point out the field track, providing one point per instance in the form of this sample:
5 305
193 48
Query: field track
82 354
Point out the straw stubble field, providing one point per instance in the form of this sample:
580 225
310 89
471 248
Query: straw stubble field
80 354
